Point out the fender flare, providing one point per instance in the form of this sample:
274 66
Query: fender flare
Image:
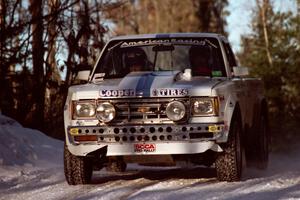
232 106
261 108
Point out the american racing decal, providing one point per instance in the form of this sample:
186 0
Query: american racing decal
144 148
117 93
169 92
161 41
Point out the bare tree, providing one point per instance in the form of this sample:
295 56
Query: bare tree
263 5
36 9
145 16
211 15
52 72
12 23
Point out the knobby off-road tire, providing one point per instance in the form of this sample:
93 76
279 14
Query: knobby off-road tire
78 170
116 165
263 143
229 162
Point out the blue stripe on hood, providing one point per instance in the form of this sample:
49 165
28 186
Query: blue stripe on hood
143 87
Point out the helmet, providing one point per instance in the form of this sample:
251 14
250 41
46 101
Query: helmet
200 60
198 51
135 56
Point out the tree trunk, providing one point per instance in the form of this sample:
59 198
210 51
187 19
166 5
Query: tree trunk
52 71
3 68
262 10
38 62
85 20
204 14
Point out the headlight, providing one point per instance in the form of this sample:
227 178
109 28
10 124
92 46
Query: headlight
175 110
205 106
84 110
106 112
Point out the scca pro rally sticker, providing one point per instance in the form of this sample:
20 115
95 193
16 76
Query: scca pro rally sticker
144 148
169 92
117 93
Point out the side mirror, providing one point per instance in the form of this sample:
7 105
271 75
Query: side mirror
240 71
83 75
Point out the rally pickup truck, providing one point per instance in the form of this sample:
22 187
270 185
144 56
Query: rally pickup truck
165 100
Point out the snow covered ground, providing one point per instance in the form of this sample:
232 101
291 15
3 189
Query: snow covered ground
31 167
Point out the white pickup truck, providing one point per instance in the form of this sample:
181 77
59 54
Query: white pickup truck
164 100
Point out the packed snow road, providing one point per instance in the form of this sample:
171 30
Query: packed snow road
31 167
281 181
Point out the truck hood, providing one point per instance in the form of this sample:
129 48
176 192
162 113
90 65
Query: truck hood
146 84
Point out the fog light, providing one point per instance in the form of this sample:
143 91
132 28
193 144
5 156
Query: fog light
106 112
214 128
74 131
175 110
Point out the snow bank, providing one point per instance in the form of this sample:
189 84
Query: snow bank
20 146
7 121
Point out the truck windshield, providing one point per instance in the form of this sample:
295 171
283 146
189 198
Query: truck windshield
202 55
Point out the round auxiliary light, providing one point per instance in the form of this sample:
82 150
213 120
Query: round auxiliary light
175 110
106 112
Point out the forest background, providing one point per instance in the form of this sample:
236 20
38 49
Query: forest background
43 44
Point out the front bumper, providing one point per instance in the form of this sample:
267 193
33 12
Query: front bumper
164 139
160 148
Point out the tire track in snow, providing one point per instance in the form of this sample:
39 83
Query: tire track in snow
139 181
282 179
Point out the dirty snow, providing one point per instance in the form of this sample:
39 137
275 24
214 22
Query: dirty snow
31 167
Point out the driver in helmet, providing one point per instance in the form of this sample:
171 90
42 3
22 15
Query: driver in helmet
199 57
136 59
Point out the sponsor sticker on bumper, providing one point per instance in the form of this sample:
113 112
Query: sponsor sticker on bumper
140 147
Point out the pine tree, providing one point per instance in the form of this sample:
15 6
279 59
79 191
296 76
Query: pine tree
271 52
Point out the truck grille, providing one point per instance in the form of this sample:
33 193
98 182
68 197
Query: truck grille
143 111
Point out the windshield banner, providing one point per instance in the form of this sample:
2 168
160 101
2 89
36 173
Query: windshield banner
163 41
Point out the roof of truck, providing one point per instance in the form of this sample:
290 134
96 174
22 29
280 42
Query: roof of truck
167 35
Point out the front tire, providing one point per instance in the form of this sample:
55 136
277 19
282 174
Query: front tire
78 170
263 143
229 163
